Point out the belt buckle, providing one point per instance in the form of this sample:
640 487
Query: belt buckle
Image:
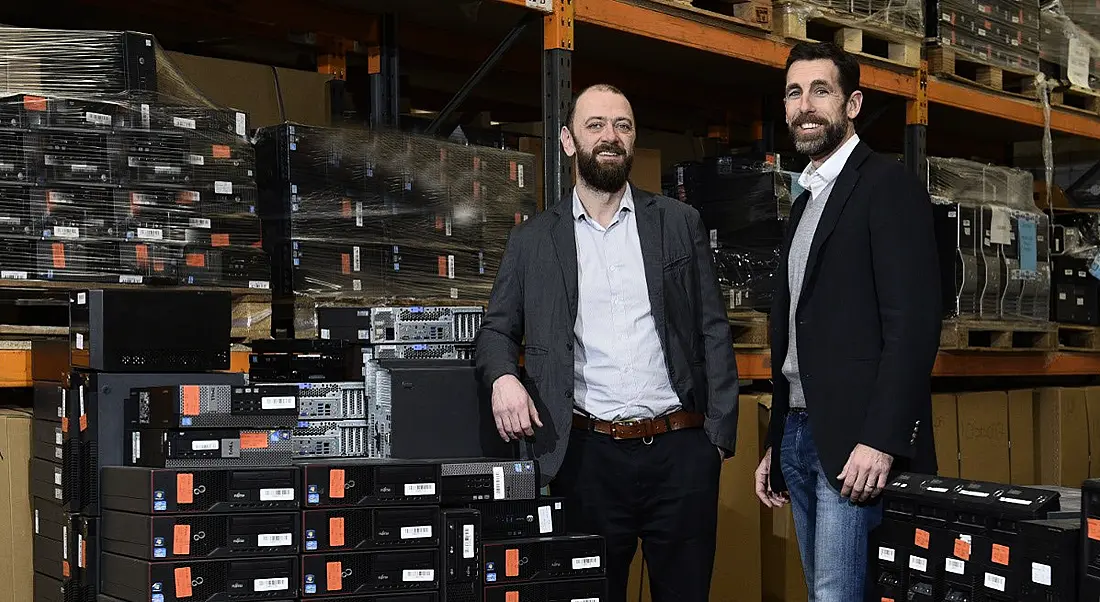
615 424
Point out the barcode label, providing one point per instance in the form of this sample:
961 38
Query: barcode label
56 478
241 124
79 549
13 275
974 493
356 259
259 284
519 176
450 267
205 445
996 582
278 403
1041 574
196 160
266 540
66 232
80 343
416 532
271 585
587 562
57 437
467 541
498 482
419 488
36 525
955 566
130 279
223 187
546 519
1017 501
421 575
276 495
200 222
135 447
359 214
180 122
97 118
150 233
145 116
918 564
585 600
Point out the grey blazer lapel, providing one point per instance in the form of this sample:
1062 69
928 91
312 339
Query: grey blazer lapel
565 245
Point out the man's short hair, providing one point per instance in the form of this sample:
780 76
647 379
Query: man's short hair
577 96
846 64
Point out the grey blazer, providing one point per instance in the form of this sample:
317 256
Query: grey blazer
533 306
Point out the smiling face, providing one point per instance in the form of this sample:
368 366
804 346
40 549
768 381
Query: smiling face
819 113
601 137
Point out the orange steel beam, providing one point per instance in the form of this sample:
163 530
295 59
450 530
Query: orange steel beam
757 365
759 49
557 26
1011 109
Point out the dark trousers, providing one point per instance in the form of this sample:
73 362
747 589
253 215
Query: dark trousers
664 492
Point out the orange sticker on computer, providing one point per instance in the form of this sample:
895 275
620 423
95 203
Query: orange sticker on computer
511 562
335 576
58 249
1094 528
66 571
1000 554
253 440
921 538
183 582
190 394
65 424
185 488
34 103
345 263
196 260
83 423
962 549
221 151
83 553
336 483
181 540
336 532
512 596
219 240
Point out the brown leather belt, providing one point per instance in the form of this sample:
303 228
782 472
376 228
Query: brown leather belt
637 429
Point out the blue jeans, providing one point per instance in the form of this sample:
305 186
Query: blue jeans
832 531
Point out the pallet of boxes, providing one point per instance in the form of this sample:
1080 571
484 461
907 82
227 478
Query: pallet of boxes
994 45
1070 60
995 258
115 171
878 30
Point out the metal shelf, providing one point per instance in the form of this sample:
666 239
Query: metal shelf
757 365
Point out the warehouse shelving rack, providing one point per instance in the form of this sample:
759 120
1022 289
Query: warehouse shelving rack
337 28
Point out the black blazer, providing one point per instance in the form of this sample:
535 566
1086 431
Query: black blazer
535 297
868 320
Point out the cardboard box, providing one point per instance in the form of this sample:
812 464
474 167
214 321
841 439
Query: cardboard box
1024 468
945 430
1062 424
737 563
983 436
16 520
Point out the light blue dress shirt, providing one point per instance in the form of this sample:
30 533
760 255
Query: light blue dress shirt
619 365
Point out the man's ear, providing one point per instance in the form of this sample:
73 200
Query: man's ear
567 142
855 104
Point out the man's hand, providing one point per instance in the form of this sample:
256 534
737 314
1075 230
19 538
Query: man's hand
865 474
764 491
513 409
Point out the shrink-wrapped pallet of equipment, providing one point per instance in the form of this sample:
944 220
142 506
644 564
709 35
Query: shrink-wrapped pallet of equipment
996 33
744 202
887 29
1070 60
360 217
994 242
113 168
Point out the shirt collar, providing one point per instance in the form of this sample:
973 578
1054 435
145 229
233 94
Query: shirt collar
579 211
815 180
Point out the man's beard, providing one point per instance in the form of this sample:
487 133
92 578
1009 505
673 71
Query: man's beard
604 178
824 142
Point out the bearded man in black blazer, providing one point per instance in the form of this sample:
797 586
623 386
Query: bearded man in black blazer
855 330
629 392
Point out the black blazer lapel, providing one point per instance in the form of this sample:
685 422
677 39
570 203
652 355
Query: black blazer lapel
565 244
842 191
650 218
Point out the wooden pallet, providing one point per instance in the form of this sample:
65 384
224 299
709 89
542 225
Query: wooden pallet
867 38
974 335
950 63
1077 99
1076 337
32 309
749 329
755 14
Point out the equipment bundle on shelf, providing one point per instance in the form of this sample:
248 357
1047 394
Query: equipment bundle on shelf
994 243
112 169
998 33
380 215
